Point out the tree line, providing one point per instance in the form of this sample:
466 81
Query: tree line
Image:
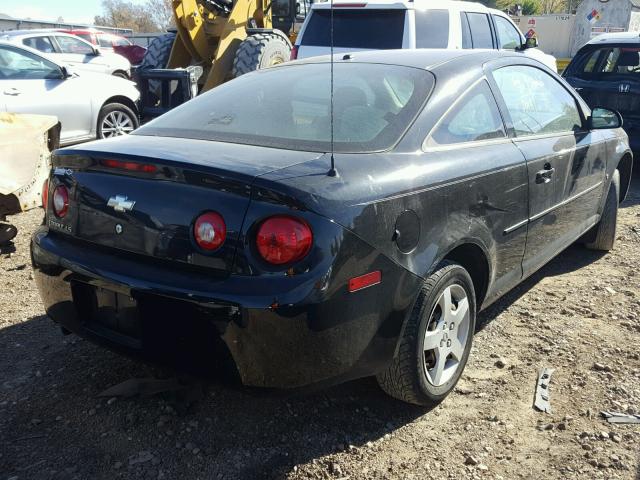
150 16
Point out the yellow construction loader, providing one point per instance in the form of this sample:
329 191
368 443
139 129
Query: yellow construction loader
225 38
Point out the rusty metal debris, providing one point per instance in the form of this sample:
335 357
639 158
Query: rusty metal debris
541 401
615 417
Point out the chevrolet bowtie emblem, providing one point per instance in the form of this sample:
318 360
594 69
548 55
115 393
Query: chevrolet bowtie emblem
120 203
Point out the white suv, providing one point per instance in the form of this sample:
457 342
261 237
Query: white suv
70 50
407 24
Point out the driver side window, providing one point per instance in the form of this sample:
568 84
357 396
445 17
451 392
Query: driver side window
20 65
508 37
74 45
537 103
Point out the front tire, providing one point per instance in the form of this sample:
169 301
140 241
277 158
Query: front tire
604 233
260 50
436 341
116 119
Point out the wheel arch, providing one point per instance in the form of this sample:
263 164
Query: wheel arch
625 167
118 72
123 100
474 258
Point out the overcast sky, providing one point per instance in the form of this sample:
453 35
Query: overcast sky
80 11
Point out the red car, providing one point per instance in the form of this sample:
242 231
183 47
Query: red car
133 53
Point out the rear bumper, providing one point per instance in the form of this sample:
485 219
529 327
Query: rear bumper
282 332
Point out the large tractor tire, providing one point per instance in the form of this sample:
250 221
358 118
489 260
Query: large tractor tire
261 50
157 54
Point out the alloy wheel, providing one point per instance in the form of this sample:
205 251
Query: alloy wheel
116 123
446 335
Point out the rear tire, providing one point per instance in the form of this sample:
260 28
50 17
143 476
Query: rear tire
434 334
604 233
158 51
260 50
116 119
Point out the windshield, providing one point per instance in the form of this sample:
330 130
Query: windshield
289 107
361 28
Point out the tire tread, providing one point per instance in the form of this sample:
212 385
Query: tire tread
399 379
604 237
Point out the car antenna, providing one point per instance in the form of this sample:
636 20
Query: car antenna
332 171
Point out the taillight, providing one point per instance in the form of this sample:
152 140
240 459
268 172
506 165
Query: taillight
294 52
60 201
131 166
45 194
282 239
209 231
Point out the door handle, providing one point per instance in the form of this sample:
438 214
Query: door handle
12 91
544 176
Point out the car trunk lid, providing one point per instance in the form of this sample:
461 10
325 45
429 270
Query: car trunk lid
141 195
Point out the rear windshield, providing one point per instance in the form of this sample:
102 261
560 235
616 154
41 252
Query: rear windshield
357 28
610 61
289 107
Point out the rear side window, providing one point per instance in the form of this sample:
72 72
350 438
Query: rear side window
612 61
508 36
361 28
480 30
432 28
289 107
474 118
42 44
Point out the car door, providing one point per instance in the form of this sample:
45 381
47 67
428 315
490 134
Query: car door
565 163
490 190
32 84
79 54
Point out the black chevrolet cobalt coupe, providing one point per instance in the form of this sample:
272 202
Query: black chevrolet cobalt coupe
220 233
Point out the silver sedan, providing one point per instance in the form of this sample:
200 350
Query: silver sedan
88 105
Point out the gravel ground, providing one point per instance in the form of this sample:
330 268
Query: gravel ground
579 315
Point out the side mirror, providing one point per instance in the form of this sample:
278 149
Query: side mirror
531 42
96 51
603 118
66 73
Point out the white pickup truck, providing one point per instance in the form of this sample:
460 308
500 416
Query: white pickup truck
361 25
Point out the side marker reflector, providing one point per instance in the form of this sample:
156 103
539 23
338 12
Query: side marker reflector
364 281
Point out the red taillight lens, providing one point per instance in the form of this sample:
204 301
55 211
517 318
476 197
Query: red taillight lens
283 239
209 231
45 194
294 52
131 166
60 201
